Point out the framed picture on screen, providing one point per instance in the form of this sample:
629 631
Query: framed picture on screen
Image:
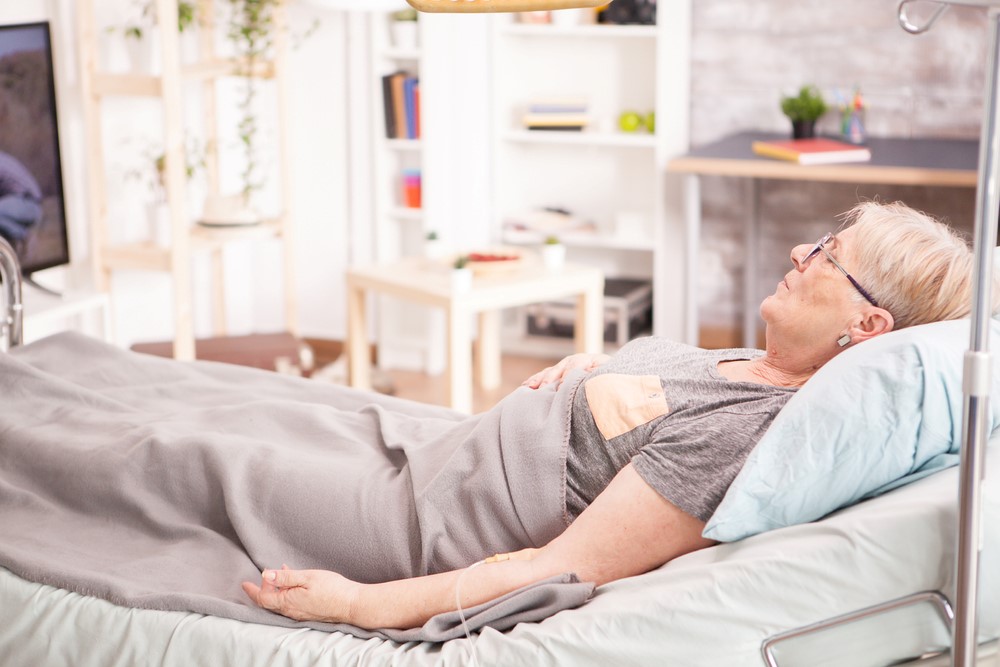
32 207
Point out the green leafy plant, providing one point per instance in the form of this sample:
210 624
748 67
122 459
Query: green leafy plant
152 169
461 262
551 240
251 32
432 236
807 106
187 13
408 14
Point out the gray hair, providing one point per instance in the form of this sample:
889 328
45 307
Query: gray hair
916 267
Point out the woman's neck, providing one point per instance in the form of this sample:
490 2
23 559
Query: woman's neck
763 370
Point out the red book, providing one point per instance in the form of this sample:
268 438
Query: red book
812 151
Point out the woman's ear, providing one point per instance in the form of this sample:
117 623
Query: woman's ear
874 321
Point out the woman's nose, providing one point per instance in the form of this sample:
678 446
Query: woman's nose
798 254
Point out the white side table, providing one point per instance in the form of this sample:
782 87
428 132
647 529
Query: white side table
424 282
81 310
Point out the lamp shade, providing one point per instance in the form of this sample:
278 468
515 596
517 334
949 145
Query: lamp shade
491 6
360 5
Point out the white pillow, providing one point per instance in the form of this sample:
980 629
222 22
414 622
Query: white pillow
877 416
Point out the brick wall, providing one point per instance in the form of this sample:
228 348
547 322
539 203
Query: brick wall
746 54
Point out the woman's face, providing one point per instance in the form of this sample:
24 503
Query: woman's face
815 301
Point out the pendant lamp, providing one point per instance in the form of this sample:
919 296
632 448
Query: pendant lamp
360 5
484 6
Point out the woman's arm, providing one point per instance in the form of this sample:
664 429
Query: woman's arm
587 362
629 529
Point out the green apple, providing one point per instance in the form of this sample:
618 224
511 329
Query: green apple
629 121
651 122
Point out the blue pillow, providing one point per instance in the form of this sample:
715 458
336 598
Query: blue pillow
875 417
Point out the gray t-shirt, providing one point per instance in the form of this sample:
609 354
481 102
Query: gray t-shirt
665 407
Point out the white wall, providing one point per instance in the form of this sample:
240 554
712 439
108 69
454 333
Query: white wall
142 306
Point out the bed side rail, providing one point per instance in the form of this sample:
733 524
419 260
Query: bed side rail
913 627
11 322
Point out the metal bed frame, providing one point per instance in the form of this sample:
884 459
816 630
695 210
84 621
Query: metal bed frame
11 320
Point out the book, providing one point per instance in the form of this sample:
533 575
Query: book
816 150
390 115
416 106
399 103
409 84
555 120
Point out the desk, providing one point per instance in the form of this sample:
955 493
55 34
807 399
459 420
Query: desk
931 162
428 283
45 314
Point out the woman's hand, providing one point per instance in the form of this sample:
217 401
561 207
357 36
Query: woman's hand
584 361
305 595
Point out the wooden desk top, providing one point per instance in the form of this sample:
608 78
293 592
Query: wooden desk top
428 282
939 162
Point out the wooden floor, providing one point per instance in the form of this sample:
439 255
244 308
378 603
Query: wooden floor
431 388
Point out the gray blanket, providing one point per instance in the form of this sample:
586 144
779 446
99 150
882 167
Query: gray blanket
163 485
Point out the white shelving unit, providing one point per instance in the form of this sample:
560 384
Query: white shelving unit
600 174
399 230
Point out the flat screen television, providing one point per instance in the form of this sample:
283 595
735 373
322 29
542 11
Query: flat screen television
32 209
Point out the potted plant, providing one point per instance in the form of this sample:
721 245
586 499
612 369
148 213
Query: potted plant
404 28
152 172
139 34
251 32
461 274
803 110
433 246
553 253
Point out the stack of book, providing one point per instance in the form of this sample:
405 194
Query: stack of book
816 150
560 114
401 97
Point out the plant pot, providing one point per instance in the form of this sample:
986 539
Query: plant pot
434 249
461 280
161 231
553 256
803 129
144 53
404 34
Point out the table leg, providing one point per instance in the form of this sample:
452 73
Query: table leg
106 326
488 349
751 305
358 359
459 359
589 326
692 219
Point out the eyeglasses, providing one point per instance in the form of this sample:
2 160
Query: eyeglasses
820 247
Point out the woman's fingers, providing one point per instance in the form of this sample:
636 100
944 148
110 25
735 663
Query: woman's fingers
286 578
587 362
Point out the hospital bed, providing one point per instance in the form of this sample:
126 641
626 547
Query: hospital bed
818 589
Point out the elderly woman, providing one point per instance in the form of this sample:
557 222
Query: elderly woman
650 439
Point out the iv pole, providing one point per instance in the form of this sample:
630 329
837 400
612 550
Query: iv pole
977 368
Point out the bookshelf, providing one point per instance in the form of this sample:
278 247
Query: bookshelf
174 87
399 228
617 180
